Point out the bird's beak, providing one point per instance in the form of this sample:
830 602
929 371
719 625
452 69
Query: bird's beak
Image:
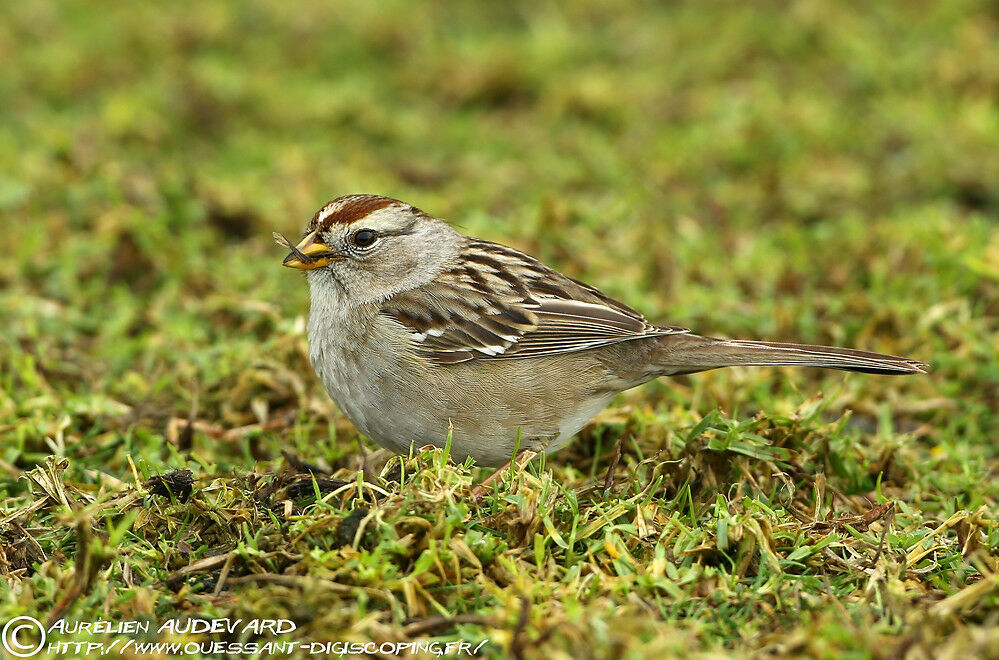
310 253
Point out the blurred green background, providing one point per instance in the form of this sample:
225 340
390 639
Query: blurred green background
819 171
825 172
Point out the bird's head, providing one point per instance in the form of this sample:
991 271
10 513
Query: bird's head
368 247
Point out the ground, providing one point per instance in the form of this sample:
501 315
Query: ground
814 171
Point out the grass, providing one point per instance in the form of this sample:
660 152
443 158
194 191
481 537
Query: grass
822 172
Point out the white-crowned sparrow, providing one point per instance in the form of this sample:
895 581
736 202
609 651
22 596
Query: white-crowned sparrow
416 329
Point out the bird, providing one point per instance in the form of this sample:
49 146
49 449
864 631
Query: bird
423 336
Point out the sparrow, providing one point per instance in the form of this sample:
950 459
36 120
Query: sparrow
419 332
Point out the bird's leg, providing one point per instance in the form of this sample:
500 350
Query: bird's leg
523 457
518 462
365 468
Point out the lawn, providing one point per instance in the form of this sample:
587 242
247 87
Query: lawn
810 171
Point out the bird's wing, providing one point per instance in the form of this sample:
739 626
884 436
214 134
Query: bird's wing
499 303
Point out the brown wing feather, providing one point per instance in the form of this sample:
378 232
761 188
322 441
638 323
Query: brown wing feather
503 304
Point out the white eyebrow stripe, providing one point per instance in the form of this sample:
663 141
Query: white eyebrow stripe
324 213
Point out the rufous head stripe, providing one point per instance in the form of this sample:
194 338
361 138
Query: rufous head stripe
348 210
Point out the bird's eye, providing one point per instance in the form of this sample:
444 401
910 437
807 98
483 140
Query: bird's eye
365 238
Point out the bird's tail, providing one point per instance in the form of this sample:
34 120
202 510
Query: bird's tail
690 353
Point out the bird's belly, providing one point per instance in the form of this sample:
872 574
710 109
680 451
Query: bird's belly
389 398
363 394
579 418
399 403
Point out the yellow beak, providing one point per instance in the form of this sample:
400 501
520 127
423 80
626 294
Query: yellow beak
310 253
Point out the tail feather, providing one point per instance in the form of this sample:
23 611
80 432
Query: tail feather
691 353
